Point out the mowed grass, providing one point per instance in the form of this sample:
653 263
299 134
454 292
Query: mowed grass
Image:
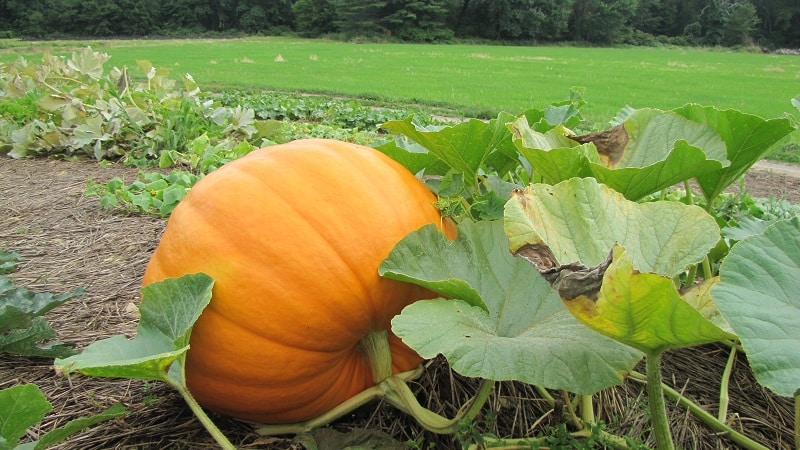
470 79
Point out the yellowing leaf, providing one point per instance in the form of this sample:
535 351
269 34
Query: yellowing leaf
581 219
643 310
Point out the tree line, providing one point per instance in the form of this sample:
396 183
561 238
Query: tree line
766 23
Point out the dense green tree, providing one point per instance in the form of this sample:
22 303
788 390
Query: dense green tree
555 23
657 17
728 22
780 22
315 17
363 17
417 20
601 21
769 23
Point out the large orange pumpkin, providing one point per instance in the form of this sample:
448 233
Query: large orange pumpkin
293 235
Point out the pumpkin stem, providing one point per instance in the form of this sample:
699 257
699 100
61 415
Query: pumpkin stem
375 346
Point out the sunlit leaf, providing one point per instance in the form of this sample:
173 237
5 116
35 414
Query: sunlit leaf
466 146
747 138
699 296
649 150
502 320
643 310
581 220
168 311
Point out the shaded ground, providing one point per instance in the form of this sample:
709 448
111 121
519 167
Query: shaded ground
67 241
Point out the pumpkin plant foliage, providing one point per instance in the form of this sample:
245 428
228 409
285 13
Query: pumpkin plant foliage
168 311
23 330
645 151
24 405
649 151
501 320
758 296
634 300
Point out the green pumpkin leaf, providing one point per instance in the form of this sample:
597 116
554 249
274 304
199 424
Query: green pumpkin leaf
73 426
649 150
8 261
35 340
464 147
553 156
747 138
628 295
683 162
412 156
581 220
22 329
758 295
21 407
643 310
502 321
699 296
168 311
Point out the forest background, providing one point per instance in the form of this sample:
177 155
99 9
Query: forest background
758 24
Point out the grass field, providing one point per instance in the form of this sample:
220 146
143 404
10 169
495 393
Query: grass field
470 79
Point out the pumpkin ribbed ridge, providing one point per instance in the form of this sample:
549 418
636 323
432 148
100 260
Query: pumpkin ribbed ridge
293 235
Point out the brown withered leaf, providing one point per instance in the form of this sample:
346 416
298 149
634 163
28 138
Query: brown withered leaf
570 280
610 143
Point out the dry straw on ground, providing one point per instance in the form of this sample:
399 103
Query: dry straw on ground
67 241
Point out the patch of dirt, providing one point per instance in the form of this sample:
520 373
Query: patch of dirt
67 241
774 179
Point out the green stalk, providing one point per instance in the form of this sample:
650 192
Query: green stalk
393 389
689 195
707 418
375 346
707 275
655 399
722 414
201 415
529 443
399 395
587 409
344 408
692 275
545 396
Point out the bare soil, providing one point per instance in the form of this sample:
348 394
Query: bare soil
67 241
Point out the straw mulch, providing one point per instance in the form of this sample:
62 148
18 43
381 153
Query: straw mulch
67 241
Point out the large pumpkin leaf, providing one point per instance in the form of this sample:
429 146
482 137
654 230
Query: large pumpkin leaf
519 330
465 147
643 310
758 295
552 155
630 299
747 138
581 220
168 310
22 329
648 151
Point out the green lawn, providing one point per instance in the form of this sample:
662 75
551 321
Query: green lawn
472 78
